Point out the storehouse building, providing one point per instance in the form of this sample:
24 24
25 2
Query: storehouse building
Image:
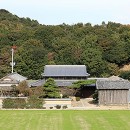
113 91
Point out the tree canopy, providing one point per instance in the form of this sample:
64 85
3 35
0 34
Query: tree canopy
51 90
102 48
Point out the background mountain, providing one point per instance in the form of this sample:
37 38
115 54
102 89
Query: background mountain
104 48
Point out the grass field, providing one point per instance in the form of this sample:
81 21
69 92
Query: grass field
64 120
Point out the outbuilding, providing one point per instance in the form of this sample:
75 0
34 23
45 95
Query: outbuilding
6 83
113 91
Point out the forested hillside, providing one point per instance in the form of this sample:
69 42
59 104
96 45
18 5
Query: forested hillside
102 48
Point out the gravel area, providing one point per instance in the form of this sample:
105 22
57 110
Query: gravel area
86 104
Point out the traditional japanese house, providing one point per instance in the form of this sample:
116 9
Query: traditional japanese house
8 82
64 75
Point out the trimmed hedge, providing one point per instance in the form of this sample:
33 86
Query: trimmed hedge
21 103
34 102
14 103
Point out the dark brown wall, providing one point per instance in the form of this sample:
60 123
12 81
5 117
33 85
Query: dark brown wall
87 91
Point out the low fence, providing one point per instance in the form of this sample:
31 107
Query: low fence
52 102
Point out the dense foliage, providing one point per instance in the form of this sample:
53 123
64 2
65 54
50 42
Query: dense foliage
14 103
102 48
51 90
78 85
125 75
34 102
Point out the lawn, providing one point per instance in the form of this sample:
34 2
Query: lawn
64 120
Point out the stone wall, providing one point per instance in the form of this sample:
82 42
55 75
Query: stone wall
61 101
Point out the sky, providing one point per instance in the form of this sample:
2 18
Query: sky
55 12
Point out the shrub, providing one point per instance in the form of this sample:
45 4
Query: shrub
51 107
34 102
58 106
125 75
65 96
77 98
14 103
8 103
64 107
95 97
19 103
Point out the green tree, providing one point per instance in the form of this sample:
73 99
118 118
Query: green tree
125 75
51 89
116 53
92 56
113 69
30 59
76 86
37 45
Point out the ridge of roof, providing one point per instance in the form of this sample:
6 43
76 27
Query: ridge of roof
65 65
65 70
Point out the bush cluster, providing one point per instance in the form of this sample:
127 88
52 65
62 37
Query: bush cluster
125 75
64 107
77 98
95 96
58 106
20 103
14 103
34 102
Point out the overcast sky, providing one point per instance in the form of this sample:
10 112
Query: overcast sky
53 12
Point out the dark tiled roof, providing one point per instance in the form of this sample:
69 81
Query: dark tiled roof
65 70
17 76
37 83
113 84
